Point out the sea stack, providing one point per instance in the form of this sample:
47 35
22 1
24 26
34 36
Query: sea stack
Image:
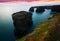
22 22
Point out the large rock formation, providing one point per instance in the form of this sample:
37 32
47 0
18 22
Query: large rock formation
39 9
22 22
54 8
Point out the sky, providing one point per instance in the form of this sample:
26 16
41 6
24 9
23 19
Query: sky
17 0
26 0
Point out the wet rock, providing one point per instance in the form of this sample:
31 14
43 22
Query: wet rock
22 22
31 9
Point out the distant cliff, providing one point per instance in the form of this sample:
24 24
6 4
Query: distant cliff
54 8
46 31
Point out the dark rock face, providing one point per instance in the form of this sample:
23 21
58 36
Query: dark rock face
22 22
31 9
56 8
40 9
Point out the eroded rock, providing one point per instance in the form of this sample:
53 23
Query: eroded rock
22 22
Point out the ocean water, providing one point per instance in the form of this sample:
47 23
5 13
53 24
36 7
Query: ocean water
40 17
6 22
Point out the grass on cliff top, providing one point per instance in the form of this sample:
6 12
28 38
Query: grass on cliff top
43 30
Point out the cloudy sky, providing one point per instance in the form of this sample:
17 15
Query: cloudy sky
27 0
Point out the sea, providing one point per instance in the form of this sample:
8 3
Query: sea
6 22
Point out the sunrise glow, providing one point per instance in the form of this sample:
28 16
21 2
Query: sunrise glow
26 0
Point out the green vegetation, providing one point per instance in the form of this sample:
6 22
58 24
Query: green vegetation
46 31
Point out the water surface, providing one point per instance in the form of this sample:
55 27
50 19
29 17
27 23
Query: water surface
6 22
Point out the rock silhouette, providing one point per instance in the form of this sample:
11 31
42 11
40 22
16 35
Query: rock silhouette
54 8
22 22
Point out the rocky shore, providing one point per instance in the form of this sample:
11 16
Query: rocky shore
23 21
46 31
39 9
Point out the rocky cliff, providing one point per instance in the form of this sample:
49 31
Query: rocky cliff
22 22
46 31
39 9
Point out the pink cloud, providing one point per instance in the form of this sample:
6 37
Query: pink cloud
16 0
26 0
